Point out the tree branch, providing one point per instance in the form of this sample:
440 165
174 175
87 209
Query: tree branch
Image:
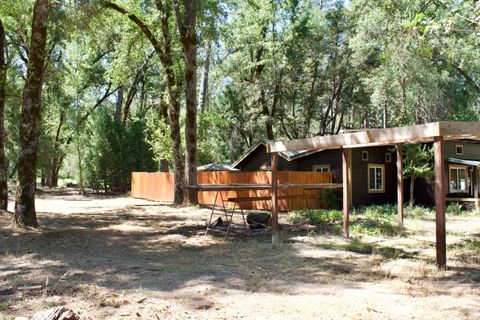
146 31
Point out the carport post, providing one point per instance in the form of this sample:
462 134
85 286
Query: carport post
440 202
400 184
347 185
274 198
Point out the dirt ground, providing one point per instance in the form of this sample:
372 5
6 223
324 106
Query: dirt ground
122 258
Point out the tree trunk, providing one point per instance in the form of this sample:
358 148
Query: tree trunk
80 168
164 52
186 26
3 160
57 157
119 104
25 214
202 99
53 181
412 189
173 87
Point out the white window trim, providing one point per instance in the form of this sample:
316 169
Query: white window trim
457 167
382 167
321 166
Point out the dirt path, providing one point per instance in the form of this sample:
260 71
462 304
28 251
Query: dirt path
123 258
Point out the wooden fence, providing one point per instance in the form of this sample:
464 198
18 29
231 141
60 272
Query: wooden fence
159 186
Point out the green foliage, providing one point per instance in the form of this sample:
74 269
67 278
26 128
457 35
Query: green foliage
316 217
455 208
330 199
379 210
418 160
4 305
377 221
114 151
158 139
418 212
281 69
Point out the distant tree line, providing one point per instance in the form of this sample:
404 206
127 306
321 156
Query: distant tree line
96 89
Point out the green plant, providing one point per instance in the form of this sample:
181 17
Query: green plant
329 199
455 208
417 161
384 209
377 220
317 217
4 305
417 212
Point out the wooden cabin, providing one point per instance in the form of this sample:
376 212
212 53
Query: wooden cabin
373 169
462 162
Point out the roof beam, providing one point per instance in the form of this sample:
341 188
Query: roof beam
449 130
373 137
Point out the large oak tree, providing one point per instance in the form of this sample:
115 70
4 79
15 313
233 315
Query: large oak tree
25 214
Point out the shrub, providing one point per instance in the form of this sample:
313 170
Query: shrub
377 220
317 217
384 209
330 199
114 151
454 208
417 212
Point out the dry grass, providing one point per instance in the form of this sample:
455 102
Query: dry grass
122 258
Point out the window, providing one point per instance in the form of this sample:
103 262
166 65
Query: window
388 157
376 178
459 149
365 155
321 168
458 179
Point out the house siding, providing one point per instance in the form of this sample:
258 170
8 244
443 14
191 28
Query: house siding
330 157
376 155
471 150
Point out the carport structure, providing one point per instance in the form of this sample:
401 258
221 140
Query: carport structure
436 132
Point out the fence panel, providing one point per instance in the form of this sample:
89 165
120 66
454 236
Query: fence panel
136 191
159 186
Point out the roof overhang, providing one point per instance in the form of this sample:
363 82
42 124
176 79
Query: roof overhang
449 130
474 163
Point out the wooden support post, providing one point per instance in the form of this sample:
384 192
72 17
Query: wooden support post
400 184
274 198
440 202
347 185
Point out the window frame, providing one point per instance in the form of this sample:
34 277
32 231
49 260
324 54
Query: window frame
457 167
376 166
456 149
365 152
321 166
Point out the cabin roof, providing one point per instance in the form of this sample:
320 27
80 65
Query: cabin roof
217 167
287 155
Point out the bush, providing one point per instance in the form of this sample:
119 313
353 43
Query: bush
316 217
377 220
418 212
455 208
384 209
115 150
330 199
